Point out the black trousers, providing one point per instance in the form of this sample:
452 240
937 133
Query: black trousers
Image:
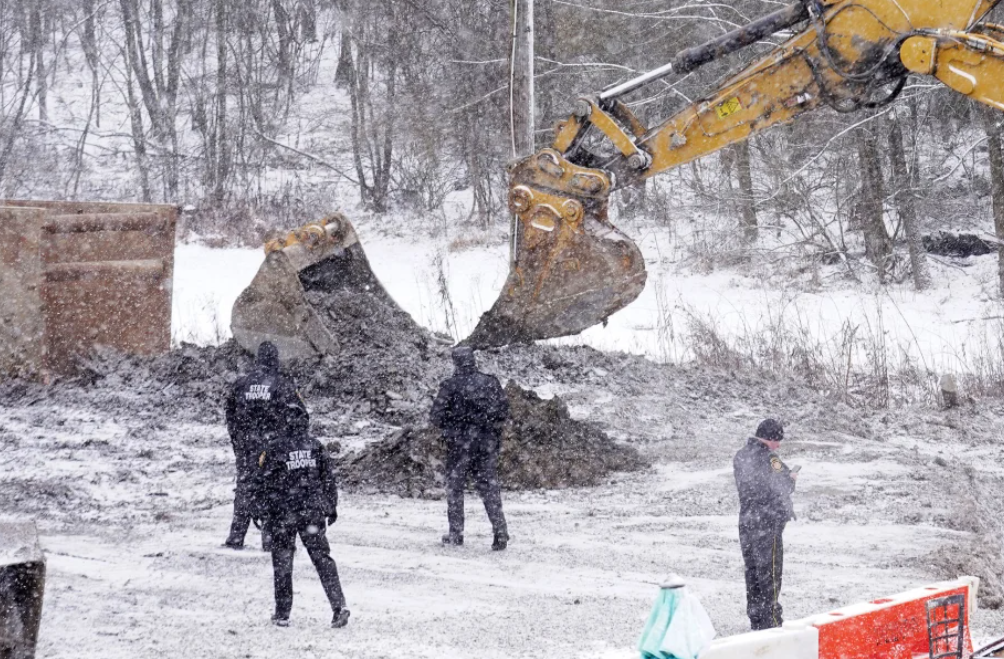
763 554
242 501
482 464
311 529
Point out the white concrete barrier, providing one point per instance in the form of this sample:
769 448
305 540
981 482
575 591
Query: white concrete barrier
780 643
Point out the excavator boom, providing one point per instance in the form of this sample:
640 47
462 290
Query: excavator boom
573 268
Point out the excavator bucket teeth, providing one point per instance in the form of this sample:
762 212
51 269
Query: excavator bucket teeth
573 267
285 302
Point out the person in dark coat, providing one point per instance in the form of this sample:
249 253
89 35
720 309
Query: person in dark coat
294 494
765 485
253 412
470 409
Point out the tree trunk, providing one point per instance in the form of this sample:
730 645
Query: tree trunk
13 128
285 34
358 125
992 126
547 99
37 40
385 159
904 198
744 173
89 44
521 95
343 72
521 79
220 149
138 132
878 246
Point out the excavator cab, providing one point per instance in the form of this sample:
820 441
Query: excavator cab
573 268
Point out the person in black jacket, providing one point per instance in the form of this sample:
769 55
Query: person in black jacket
765 485
294 494
470 409
253 412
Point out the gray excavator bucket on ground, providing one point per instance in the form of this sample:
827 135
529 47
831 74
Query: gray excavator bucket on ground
314 262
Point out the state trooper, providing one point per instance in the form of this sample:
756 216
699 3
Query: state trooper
765 486
470 409
253 413
295 493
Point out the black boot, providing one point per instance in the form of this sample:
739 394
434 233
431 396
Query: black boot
500 542
455 539
340 619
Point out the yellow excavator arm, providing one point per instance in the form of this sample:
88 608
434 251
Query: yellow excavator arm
573 268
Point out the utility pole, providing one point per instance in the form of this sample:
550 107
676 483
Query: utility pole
521 97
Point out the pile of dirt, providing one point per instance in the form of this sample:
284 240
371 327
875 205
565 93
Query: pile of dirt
958 245
980 557
975 508
543 447
384 356
383 379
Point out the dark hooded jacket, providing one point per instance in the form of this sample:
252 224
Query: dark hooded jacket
255 405
765 486
295 474
471 406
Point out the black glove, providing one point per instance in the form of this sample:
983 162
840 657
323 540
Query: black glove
257 522
332 518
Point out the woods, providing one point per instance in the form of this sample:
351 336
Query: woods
254 112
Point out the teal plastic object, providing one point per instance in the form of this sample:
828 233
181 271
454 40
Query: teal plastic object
658 623
678 627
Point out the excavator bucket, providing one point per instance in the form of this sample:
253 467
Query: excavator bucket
286 301
573 267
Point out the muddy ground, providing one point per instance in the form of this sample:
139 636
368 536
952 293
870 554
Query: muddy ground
129 472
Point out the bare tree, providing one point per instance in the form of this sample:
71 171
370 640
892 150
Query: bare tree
904 195
153 46
878 245
992 126
18 38
744 172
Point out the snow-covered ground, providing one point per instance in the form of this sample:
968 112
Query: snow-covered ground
133 498
133 494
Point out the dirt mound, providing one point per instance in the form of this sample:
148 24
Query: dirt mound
980 557
384 356
382 379
958 245
365 323
543 447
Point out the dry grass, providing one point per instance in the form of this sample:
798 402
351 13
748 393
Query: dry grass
851 362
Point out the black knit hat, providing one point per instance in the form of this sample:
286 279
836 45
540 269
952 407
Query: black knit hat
463 358
770 430
268 356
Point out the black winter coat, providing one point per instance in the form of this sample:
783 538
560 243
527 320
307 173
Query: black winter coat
765 486
295 476
254 408
470 408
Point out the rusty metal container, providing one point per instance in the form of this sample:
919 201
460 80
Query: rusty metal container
77 275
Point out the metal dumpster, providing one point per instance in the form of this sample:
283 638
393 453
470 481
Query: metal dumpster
76 275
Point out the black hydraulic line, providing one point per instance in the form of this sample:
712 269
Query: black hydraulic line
693 58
